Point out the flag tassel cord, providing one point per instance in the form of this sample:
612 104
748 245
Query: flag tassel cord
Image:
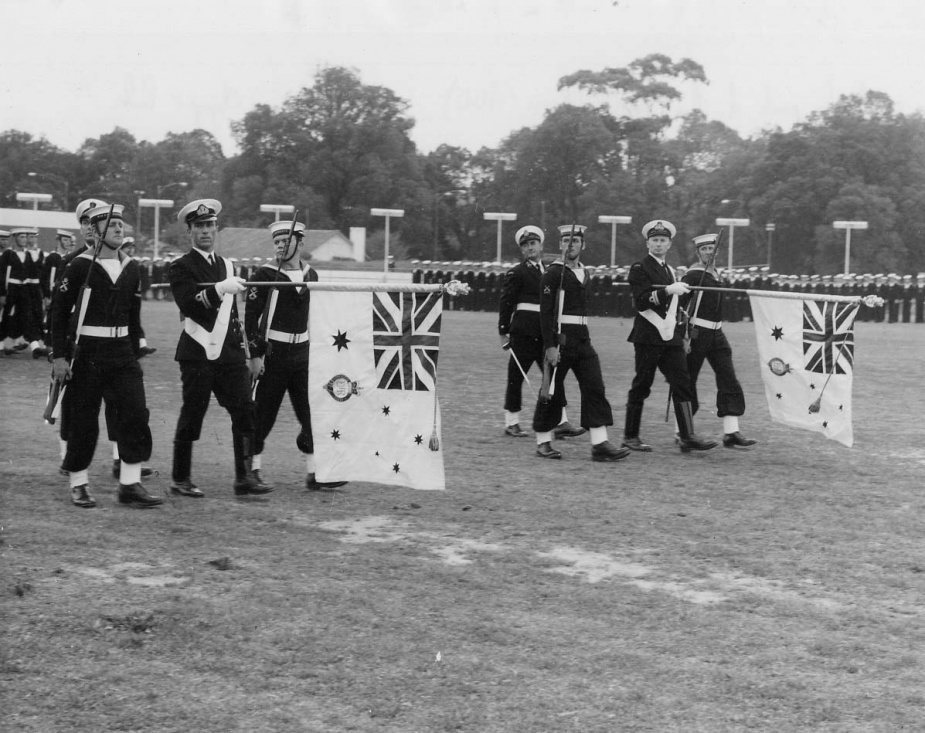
871 301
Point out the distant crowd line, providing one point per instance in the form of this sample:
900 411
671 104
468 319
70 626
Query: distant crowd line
903 295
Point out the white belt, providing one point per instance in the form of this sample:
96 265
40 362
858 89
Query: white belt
573 320
535 307
711 325
286 337
31 281
105 332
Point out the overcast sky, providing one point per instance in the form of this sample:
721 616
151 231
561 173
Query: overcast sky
473 71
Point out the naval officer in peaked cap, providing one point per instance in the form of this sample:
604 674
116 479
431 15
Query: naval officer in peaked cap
658 340
211 351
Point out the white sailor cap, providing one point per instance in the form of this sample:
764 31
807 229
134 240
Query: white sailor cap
126 241
99 213
566 230
23 230
4 233
528 234
284 227
199 210
659 228
704 239
84 206
65 233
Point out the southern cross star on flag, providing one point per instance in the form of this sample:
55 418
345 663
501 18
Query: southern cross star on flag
372 387
806 350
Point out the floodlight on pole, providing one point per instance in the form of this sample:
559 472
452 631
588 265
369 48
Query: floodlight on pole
57 179
35 198
277 209
613 221
848 226
499 217
388 214
157 205
769 228
732 224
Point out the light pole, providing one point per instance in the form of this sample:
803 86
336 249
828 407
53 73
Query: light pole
56 179
437 198
35 198
732 224
848 226
499 217
157 204
277 209
388 214
769 228
613 221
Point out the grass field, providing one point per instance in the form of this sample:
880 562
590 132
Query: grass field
773 589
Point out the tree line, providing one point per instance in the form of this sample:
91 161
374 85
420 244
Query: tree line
339 147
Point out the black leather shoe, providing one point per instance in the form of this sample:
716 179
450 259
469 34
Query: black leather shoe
636 444
567 430
545 450
117 467
606 451
62 472
731 440
260 481
248 485
9 352
146 351
39 352
692 442
135 495
80 496
185 488
515 431
313 485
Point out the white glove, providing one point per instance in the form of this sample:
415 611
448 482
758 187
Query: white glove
230 285
678 288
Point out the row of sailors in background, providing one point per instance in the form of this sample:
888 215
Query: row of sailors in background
904 296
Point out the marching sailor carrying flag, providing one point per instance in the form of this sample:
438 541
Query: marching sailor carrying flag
658 339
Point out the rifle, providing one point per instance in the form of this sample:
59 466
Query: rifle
548 387
56 390
266 317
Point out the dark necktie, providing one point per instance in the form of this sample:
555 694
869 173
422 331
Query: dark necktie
667 271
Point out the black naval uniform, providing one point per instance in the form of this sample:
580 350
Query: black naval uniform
19 282
575 354
226 375
285 351
708 342
655 353
107 362
519 319
52 271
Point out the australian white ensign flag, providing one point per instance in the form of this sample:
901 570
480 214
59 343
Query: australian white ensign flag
372 387
806 349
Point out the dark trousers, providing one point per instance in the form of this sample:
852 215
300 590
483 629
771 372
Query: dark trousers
285 370
122 386
529 351
712 346
579 357
229 382
670 361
